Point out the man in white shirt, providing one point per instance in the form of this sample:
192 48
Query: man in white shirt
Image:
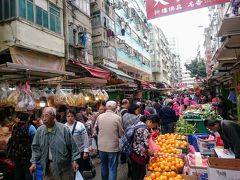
110 130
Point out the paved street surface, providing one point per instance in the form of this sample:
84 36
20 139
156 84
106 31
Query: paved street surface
122 171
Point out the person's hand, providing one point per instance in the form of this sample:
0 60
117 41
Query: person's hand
75 166
33 168
150 152
85 155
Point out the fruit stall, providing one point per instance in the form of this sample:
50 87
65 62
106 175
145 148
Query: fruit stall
188 156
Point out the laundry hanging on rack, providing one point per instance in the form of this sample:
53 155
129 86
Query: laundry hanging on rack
123 32
110 33
83 39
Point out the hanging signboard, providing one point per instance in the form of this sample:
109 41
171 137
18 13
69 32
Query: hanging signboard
159 8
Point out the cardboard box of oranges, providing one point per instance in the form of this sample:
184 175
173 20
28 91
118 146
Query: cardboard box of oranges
166 163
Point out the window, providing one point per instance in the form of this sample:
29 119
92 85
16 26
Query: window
22 8
82 5
55 24
1 11
6 9
45 19
39 14
96 20
30 14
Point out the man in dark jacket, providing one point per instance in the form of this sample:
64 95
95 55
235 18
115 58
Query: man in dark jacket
229 132
168 118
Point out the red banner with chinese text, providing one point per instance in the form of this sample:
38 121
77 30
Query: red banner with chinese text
159 8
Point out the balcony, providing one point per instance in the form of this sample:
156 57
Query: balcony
135 44
133 62
32 27
103 51
228 54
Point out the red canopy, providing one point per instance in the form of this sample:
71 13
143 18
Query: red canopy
94 71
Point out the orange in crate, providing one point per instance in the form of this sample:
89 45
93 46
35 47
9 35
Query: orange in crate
163 176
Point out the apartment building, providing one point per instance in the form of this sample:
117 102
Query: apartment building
212 41
103 33
132 38
79 32
160 55
31 33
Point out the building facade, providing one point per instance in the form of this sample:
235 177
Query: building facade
79 32
132 32
103 33
160 55
31 33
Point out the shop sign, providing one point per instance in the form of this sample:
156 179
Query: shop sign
159 8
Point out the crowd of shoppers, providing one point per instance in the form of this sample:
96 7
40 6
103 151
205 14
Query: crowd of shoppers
65 137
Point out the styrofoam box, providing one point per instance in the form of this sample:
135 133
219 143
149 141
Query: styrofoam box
206 147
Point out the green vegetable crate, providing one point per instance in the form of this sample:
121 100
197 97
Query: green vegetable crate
200 128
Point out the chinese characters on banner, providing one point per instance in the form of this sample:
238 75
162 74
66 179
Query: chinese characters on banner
159 8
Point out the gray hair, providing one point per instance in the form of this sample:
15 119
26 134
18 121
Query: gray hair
50 110
111 105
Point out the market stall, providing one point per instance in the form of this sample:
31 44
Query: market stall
190 156
196 114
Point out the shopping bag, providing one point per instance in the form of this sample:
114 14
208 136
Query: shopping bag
78 176
94 144
153 147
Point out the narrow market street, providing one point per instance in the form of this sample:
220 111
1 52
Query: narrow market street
122 171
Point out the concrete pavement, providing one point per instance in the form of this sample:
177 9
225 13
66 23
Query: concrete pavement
122 171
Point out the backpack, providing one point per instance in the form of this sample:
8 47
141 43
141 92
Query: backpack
126 141
19 145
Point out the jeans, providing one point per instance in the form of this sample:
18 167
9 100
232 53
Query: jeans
109 165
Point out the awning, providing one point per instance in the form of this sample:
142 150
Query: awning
16 72
94 71
25 57
230 50
120 74
229 26
147 85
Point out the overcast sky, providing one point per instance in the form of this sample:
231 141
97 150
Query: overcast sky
187 28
